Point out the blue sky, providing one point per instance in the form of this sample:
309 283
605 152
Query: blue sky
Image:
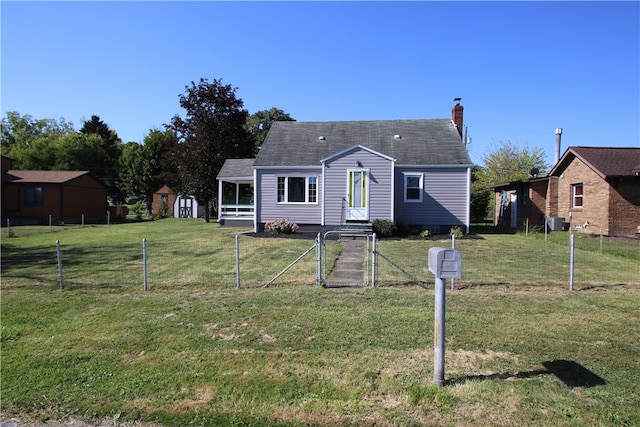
522 69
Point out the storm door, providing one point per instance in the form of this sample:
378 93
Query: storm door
357 195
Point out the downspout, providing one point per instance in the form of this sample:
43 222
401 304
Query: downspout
469 177
322 203
393 190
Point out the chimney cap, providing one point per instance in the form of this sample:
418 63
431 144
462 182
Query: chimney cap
457 100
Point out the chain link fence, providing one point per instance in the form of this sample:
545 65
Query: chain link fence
516 262
247 261
156 264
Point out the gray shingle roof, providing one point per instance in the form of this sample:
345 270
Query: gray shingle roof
422 142
236 168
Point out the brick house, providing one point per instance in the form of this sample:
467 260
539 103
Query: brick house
590 189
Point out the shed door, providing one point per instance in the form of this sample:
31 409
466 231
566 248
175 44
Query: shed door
186 208
358 195
514 211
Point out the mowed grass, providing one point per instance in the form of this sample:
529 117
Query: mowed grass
193 350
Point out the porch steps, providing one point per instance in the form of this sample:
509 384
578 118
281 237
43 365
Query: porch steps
356 230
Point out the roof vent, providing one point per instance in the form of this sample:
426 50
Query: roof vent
397 137
321 138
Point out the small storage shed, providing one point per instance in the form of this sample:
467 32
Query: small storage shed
178 205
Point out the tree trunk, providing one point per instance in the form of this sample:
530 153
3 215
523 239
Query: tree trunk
206 211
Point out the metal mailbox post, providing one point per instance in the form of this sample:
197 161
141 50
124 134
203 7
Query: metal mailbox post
444 264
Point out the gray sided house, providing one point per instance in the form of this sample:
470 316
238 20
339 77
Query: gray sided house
332 174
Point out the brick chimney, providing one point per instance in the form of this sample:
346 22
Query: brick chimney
456 115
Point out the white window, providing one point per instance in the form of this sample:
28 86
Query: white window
577 196
413 187
297 189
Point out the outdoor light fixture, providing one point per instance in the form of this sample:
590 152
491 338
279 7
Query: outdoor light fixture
358 163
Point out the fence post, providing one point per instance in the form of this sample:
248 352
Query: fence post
546 224
237 261
82 220
600 238
144 264
59 258
50 224
439 332
8 227
572 246
318 260
108 217
374 260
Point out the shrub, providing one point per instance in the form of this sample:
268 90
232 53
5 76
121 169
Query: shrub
281 226
163 208
456 231
137 209
425 233
383 227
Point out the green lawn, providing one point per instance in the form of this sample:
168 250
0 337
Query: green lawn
193 350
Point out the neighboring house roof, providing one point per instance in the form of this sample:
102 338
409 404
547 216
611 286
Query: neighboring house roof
409 142
513 184
605 161
236 168
41 177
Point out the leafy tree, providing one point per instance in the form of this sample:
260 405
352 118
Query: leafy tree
212 131
157 149
144 168
259 123
131 168
480 197
509 162
32 143
76 151
111 148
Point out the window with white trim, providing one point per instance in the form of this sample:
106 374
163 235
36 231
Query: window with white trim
297 189
577 195
413 187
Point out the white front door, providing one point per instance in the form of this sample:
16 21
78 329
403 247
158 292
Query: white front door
358 195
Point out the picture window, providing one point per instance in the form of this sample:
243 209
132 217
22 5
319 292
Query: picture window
297 189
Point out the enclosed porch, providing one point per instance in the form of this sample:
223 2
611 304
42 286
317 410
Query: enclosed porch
236 206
